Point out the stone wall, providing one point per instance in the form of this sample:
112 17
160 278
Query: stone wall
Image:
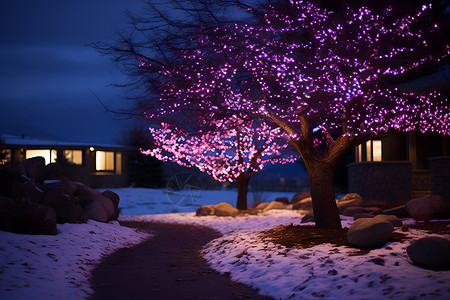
388 181
440 177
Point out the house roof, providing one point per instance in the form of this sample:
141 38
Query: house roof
13 140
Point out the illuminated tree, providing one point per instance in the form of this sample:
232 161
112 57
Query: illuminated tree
232 155
302 66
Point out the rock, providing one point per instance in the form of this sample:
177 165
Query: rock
26 217
349 200
309 217
300 196
67 210
115 200
205 210
423 207
275 205
64 184
284 200
85 194
399 211
362 215
225 209
430 251
101 209
369 232
305 204
261 206
54 171
25 188
394 220
35 167
350 211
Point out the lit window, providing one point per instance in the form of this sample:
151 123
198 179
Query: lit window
119 163
6 156
370 151
48 154
74 156
105 161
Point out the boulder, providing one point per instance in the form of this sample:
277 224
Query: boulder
349 200
350 211
430 251
67 210
101 209
423 207
309 217
54 171
115 200
362 215
275 205
399 211
284 200
25 217
205 210
64 184
25 188
394 220
225 209
300 196
35 167
85 194
305 204
262 205
369 232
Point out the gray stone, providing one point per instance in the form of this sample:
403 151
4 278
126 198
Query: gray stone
25 217
205 210
394 220
275 205
362 215
399 211
305 204
430 251
369 232
423 207
25 188
35 167
349 200
284 200
225 209
300 196
101 209
115 200
85 194
309 217
261 206
350 211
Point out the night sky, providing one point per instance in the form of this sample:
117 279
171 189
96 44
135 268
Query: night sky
46 69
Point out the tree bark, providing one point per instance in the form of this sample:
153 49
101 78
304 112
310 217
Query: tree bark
242 183
321 183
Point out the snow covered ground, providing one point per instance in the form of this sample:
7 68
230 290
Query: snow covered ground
55 267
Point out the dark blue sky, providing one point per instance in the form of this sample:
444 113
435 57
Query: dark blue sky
46 70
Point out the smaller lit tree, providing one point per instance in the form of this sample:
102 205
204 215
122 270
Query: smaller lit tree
232 154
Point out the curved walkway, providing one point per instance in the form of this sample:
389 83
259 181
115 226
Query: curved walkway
166 266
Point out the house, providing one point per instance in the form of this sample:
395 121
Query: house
398 167
96 165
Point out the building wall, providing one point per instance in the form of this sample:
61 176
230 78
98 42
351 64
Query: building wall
388 182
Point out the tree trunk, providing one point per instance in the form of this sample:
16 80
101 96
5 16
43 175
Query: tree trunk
242 183
320 176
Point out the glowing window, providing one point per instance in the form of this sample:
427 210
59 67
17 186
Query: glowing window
105 161
6 154
48 154
74 156
370 151
376 150
119 163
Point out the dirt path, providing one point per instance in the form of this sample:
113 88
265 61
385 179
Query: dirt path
167 266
